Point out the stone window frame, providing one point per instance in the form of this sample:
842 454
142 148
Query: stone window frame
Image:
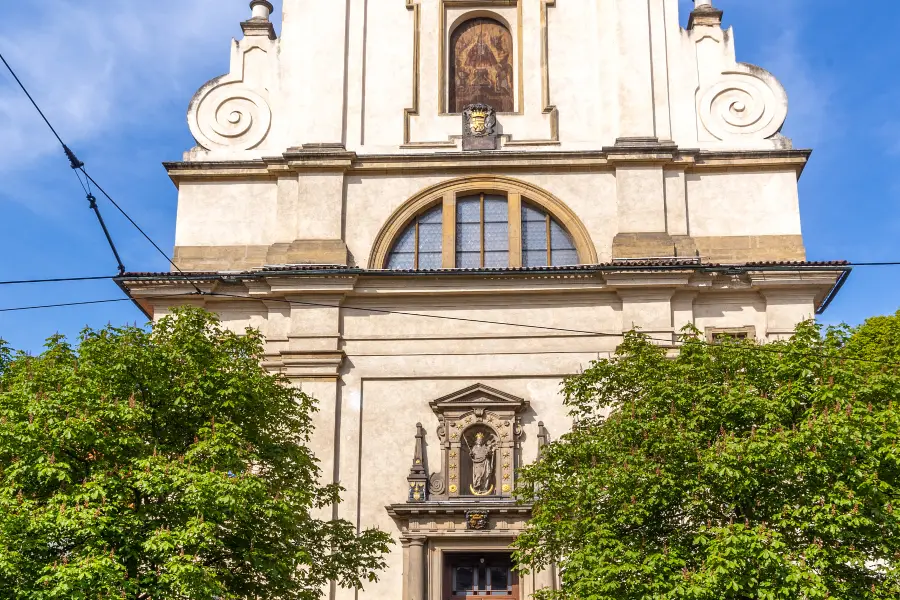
446 194
713 334
440 548
451 558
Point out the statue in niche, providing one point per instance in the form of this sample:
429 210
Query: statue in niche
482 455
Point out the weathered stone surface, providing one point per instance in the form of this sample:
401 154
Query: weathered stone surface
324 146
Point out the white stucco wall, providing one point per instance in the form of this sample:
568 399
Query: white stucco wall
373 78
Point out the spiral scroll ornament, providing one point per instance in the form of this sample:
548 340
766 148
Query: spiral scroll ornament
229 116
436 483
743 105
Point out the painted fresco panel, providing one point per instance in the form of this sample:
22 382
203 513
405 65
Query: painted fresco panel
481 66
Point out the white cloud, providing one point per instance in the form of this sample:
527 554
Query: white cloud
95 65
810 91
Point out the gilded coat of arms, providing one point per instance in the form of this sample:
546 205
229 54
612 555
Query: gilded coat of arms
476 520
479 120
479 127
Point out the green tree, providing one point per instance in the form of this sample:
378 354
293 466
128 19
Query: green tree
165 464
729 471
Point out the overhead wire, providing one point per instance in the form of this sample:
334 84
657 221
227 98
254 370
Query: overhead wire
88 302
102 277
58 280
79 166
586 333
581 332
41 306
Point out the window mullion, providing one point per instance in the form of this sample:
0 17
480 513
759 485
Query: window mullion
448 250
482 231
514 202
416 247
549 242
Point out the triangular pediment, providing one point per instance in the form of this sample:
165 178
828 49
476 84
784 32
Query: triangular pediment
479 396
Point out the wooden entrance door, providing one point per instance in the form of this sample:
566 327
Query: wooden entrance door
483 576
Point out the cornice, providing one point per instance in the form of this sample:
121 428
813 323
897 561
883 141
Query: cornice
458 507
336 285
296 161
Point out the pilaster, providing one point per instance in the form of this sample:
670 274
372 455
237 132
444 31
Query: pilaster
635 71
647 309
314 55
785 308
415 578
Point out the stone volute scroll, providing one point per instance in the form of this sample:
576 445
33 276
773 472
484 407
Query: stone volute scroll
480 435
231 114
737 103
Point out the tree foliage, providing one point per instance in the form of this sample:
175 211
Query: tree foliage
730 471
165 464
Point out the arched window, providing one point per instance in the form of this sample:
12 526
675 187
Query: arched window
491 231
419 246
544 241
482 232
481 65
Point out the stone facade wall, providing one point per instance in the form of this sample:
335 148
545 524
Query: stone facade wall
655 148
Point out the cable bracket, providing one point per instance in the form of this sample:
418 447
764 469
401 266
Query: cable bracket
73 160
92 202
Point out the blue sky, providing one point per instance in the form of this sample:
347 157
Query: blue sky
116 77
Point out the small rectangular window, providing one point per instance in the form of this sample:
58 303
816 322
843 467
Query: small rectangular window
719 334
480 576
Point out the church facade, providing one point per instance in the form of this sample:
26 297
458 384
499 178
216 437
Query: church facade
436 210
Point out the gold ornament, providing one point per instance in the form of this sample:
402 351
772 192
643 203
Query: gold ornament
506 488
479 120
453 489
487 493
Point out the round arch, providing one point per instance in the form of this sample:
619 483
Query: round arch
431 196
477 14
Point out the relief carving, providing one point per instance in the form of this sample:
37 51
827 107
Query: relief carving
232 112
480 442
745 102
479 127
229 115
481 452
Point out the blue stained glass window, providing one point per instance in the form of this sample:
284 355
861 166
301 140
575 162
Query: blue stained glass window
544 241
482 232
482 237
419 246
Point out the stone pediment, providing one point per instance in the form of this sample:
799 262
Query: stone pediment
479 396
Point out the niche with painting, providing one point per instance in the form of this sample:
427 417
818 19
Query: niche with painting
481 66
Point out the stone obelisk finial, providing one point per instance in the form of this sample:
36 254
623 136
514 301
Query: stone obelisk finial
418 476
705 15
259 23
